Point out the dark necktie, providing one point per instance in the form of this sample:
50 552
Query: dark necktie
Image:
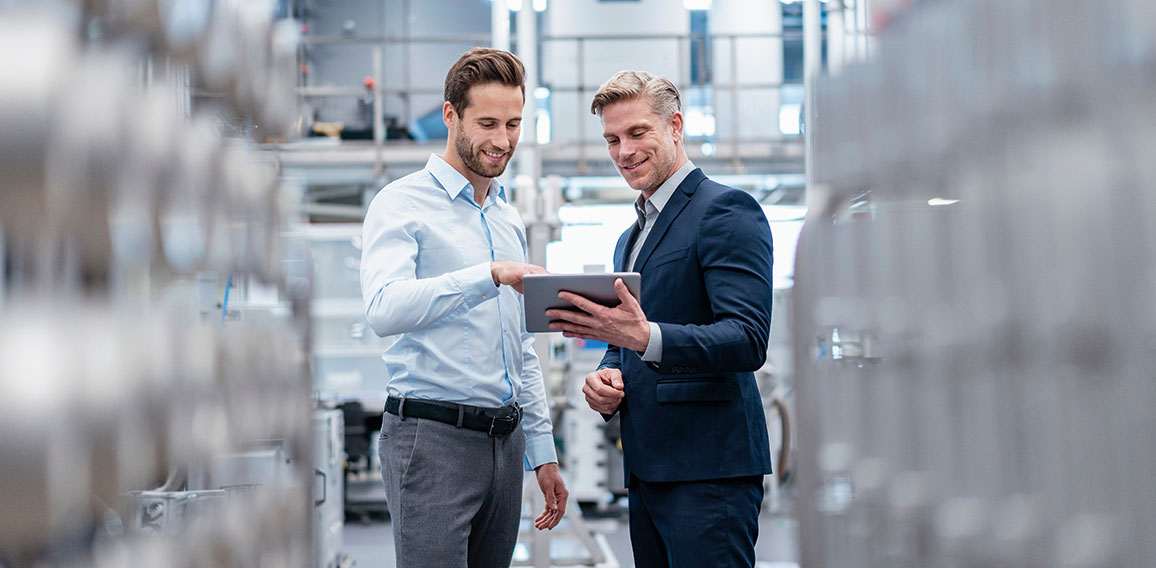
641 216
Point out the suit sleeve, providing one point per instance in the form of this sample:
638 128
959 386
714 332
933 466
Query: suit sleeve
735 254
612 358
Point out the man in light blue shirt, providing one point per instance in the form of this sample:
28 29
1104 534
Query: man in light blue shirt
442 265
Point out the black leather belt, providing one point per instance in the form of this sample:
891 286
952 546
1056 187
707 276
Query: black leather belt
493 421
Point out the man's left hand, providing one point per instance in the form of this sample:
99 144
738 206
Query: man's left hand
554 489
623 325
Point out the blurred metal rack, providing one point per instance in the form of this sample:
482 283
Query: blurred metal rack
973 317
146 421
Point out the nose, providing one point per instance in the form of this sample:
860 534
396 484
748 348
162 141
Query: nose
500 140
625 150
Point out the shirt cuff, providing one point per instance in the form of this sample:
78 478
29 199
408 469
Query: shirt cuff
539 450
476 284
653 353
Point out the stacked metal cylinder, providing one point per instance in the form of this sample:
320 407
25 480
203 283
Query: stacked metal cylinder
113 204
973 321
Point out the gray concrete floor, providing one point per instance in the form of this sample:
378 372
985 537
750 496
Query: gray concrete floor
372 544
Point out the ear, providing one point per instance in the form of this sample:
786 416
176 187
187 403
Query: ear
448 115
676 126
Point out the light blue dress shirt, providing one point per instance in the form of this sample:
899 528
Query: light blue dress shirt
651 209
425 275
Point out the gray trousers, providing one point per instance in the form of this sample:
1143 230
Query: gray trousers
454 495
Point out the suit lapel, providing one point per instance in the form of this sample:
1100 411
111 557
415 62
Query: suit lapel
624 243
674 206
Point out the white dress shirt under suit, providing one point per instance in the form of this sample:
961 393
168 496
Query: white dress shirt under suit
425 274
648 211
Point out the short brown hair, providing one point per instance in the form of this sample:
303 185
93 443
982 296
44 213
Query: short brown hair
481 66
626 85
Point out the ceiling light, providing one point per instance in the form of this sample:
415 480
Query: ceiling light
937 201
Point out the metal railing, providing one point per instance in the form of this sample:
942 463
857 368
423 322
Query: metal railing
728 91
707 45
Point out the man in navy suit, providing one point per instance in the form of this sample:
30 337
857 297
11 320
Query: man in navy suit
680 365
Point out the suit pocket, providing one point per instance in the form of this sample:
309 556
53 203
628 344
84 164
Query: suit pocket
672 391
672 256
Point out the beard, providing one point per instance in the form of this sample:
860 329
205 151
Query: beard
471 157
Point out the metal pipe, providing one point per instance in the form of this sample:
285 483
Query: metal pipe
528 160
406 61
863 36
736 163
836 49
582 108
378 108
500 25
812 67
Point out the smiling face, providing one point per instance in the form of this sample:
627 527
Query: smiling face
645 148
483 137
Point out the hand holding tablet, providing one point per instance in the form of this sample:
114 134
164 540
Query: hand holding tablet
541 293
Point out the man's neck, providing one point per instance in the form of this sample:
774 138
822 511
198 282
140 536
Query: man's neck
481 189
682 160
480 184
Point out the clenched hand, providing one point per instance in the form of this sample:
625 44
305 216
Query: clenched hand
604 390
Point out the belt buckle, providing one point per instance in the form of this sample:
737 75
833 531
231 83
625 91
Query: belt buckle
494 422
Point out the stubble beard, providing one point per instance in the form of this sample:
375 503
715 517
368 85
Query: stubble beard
661 169
470 156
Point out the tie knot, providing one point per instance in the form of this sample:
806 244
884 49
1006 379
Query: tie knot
641 215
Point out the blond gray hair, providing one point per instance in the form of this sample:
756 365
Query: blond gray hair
626 85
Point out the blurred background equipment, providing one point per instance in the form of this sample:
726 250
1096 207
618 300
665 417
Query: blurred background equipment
973 321
187 379
149 418
186 376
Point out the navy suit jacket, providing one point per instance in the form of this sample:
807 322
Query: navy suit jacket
706 282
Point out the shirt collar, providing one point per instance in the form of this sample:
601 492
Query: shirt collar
664 191
454 182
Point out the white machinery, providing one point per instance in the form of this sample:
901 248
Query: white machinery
328 500
593 459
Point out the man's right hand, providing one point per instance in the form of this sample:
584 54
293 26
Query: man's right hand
510 273
604 390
